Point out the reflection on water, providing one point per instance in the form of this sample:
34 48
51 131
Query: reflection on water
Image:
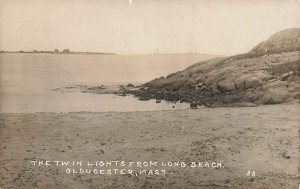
27 81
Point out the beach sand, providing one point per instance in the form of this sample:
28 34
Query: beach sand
262 139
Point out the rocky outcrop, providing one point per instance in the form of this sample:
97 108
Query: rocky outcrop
283 41
268 74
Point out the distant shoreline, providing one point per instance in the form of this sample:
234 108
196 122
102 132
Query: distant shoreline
99 53
58 53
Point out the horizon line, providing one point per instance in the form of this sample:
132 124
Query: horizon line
102 53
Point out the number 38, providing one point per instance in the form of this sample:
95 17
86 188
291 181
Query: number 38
251 173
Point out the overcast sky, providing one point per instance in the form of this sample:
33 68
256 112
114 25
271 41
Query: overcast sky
144 26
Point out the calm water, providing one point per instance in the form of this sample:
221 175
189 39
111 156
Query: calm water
27 80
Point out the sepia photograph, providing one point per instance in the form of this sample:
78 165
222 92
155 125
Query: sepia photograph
150 94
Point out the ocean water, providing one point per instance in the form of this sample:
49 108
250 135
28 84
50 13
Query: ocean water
27 80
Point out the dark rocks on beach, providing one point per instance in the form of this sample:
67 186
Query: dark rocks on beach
142 98
193 106
95 88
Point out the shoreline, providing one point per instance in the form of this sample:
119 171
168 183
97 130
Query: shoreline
235 106
146 93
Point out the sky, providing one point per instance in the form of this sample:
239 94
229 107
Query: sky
144 26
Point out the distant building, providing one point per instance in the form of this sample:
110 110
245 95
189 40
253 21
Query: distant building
66 51
56 50
35 51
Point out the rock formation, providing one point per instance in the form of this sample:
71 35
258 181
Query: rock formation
268 74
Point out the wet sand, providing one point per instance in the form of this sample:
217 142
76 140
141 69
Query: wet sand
263 139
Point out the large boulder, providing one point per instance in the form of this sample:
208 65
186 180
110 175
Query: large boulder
247 81
275 96
282 41
252 82
226 85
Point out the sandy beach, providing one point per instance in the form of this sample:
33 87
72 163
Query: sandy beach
263 139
